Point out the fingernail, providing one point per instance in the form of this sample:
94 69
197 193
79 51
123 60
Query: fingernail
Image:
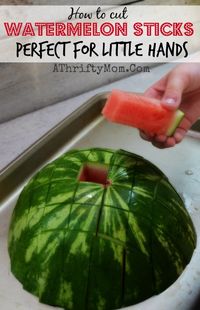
170 101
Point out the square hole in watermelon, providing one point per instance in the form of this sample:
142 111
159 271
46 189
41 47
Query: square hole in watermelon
95 173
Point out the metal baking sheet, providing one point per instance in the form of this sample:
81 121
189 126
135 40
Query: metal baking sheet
86 128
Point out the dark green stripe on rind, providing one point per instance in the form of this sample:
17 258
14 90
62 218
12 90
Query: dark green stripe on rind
105 284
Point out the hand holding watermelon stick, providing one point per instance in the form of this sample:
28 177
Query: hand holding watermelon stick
142 112
180 88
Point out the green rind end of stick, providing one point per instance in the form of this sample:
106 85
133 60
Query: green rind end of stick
178 116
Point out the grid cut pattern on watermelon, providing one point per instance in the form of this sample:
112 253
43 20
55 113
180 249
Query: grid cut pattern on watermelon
92 222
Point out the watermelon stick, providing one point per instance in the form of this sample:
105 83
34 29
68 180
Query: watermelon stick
141 112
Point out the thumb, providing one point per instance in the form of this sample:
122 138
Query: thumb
176 83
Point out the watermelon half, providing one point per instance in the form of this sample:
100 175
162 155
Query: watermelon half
141 112
99 229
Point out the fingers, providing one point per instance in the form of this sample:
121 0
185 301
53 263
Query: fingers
162 141
171 87
168 142
160 138
146 136
176 138
180 87
154 93
179 134
156 90
175 86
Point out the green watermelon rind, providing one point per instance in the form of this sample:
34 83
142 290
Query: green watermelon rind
99 247
177 118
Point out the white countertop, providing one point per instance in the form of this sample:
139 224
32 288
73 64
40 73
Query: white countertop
18 134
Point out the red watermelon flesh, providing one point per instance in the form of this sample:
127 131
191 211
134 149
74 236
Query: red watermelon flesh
94 173
141 112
